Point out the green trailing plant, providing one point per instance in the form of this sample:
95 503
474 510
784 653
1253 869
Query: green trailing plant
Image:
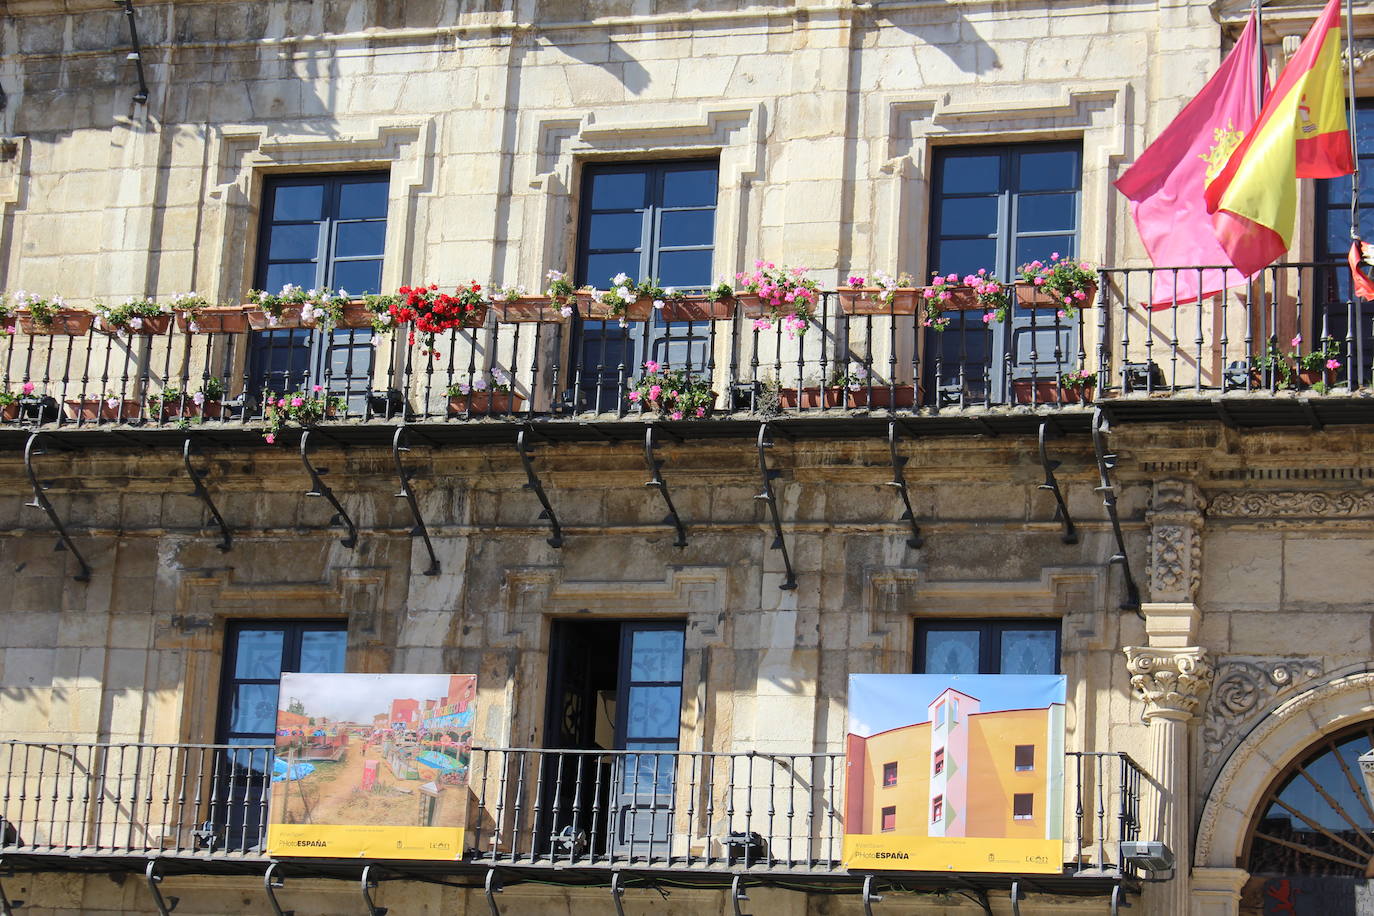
42 311
672 393
129 316
1065 280
302 408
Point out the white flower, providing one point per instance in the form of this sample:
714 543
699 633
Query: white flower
195 328
620 279
623 322
658 303
670 292
384 318
501 377
112 403
553 275
598 295
343 294
626 294
135 323
198 398
566 311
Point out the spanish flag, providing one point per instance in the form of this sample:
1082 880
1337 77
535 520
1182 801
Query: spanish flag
1301 133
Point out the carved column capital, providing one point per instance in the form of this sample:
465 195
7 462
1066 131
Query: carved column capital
1172 682
1175 517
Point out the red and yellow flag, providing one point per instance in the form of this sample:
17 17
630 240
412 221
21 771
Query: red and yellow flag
1301 133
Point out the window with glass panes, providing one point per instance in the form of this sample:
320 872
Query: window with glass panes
987 647
319 231
997 207
645 220
1335 312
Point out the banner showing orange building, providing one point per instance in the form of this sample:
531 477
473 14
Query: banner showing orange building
372 766
955 773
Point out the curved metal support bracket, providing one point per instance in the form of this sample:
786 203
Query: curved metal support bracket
617 892
737 894
1016 885
869 898
899 482
164 905
40 501
1061 511
492 886
555 540
420 531
270 883
369 884
656 469
1116 899
768 475
319 488
1105 463
203 494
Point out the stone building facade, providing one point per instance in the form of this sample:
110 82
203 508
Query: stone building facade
1244 528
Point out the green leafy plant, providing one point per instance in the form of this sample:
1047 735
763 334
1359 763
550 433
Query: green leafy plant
672 393
301 408
1271 359
1065 280
129 316
1325 358
561 292
853 376
41 311
1078 379
496 380
322 308
787 292
381 307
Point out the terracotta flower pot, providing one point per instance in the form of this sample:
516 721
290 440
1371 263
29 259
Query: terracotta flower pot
869 301
818 397
231 319
883 397
961 299
150 327
697 308
9 411
1049 391
101 409
173 410
642 309
68 322
486 402
751 306
1035 297
355 315
260 320
1309 377
528 310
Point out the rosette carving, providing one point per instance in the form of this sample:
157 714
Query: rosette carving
1245 690
1170 681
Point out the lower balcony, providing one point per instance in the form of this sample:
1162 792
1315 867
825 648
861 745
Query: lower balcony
582 814
1291 347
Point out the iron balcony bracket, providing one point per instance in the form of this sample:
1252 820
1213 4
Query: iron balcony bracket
319 488
768 475
8 906
1116 899
617 892
203 494
270 883
899 483
1016 895
164 905
136 55
40 501
420 531
1061 511
869 898
656 469
555 540
368 885
737 893
1105 463
492 886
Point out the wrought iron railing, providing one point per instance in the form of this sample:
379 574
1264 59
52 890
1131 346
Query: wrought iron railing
527 807
1240 340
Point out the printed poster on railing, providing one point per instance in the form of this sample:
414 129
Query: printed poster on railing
961 773
372 766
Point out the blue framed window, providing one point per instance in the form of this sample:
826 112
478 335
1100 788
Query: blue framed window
999 207
987 647
644 220
1335 309
319 231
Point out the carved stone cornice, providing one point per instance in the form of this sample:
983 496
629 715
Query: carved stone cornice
1175 517
1172 682
1292 504
1244 690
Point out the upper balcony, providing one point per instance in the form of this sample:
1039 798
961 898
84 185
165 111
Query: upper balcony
1241 358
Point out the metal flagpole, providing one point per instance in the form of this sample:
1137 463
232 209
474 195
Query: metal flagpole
1255 291
1350 114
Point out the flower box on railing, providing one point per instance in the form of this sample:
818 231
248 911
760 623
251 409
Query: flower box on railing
189 409
1049 391
104 409
220 319
751 305
870 300
486 402
262 320
815 396
883 396
153 326
528 310
68 322
642 309
698 308
1032 296
355 316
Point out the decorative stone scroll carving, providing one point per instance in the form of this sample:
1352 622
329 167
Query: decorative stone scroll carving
1246 689
1292 504
1172 682
1175 543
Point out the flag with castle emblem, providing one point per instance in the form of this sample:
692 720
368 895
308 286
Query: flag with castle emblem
1301 133
1166 184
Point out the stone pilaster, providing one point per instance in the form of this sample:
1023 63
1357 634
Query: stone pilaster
1175 517
1172 682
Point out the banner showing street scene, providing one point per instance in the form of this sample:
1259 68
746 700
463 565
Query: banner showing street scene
372 766
959 773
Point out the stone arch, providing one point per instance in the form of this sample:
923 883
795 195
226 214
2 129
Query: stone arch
1283 735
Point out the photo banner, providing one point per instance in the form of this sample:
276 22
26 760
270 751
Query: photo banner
960 773
372 766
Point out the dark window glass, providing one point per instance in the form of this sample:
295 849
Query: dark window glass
1023 805
256 655
1025 756
319 231
987 647
643 220
889 775
1334 308
939 761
